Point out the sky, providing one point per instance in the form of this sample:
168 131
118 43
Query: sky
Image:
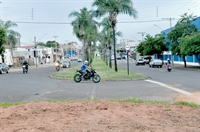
45 19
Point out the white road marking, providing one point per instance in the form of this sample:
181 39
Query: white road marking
93 92
169 87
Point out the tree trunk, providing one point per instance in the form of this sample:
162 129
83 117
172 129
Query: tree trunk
184 60
85 51
115 61
106 58
110 62
104 54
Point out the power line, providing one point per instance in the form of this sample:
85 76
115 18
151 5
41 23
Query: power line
70 22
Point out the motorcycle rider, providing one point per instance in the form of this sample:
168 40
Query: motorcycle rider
84 68
26 64
168 62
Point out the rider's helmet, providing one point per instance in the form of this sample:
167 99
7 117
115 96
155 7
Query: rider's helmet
86 62
168 59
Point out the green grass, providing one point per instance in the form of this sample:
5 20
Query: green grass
5 105
141 101
106 73
134 101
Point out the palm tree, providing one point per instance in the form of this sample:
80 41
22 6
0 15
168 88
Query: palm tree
114 8
11 34
107 35
2 41
81 25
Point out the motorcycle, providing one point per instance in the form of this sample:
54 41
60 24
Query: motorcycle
57 66
25 69
169 68
90 74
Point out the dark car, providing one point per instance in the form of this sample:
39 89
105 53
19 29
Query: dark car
147 59
140 62
3 68
65 64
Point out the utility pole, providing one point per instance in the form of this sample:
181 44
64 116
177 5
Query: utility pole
56 46
142 34
71 49
35 52
170 20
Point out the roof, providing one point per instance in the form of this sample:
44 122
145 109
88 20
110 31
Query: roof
26 47
196 22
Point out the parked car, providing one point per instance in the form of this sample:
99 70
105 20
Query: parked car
3 68
123 55
155 63
140 62
118 57
147 59
112 57
65 64
79 60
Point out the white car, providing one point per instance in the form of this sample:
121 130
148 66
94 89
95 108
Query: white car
155 63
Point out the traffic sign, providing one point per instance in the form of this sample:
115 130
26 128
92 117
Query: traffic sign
127 47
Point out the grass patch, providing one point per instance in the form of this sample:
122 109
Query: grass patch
135 101
5 104
141 101
191 104
106 73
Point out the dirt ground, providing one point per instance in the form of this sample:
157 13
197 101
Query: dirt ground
99 116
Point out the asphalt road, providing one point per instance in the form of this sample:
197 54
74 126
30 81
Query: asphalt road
36 85
188 80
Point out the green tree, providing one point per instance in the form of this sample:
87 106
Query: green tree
182 28
41 44
83 25
52 44
107 38
190 45
11 34
114 8
2 40
152 45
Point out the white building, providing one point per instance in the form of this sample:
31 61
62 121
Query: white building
7 57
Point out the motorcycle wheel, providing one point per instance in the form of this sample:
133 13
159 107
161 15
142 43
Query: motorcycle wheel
77 78
169 70
96 79
57 68
24 71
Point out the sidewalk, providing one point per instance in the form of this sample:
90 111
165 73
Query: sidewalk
189 67
13 69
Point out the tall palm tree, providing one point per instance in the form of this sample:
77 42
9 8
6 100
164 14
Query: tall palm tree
11 34
108 35
2 41
114 8
82 23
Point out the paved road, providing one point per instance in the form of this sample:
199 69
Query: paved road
183 79
36 85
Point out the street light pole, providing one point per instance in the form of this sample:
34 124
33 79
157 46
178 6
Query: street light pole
36 48
71 50
35 52
142 34
56 46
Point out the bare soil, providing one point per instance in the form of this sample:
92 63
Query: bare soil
99 116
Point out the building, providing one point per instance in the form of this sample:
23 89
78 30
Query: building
192 60
70 49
